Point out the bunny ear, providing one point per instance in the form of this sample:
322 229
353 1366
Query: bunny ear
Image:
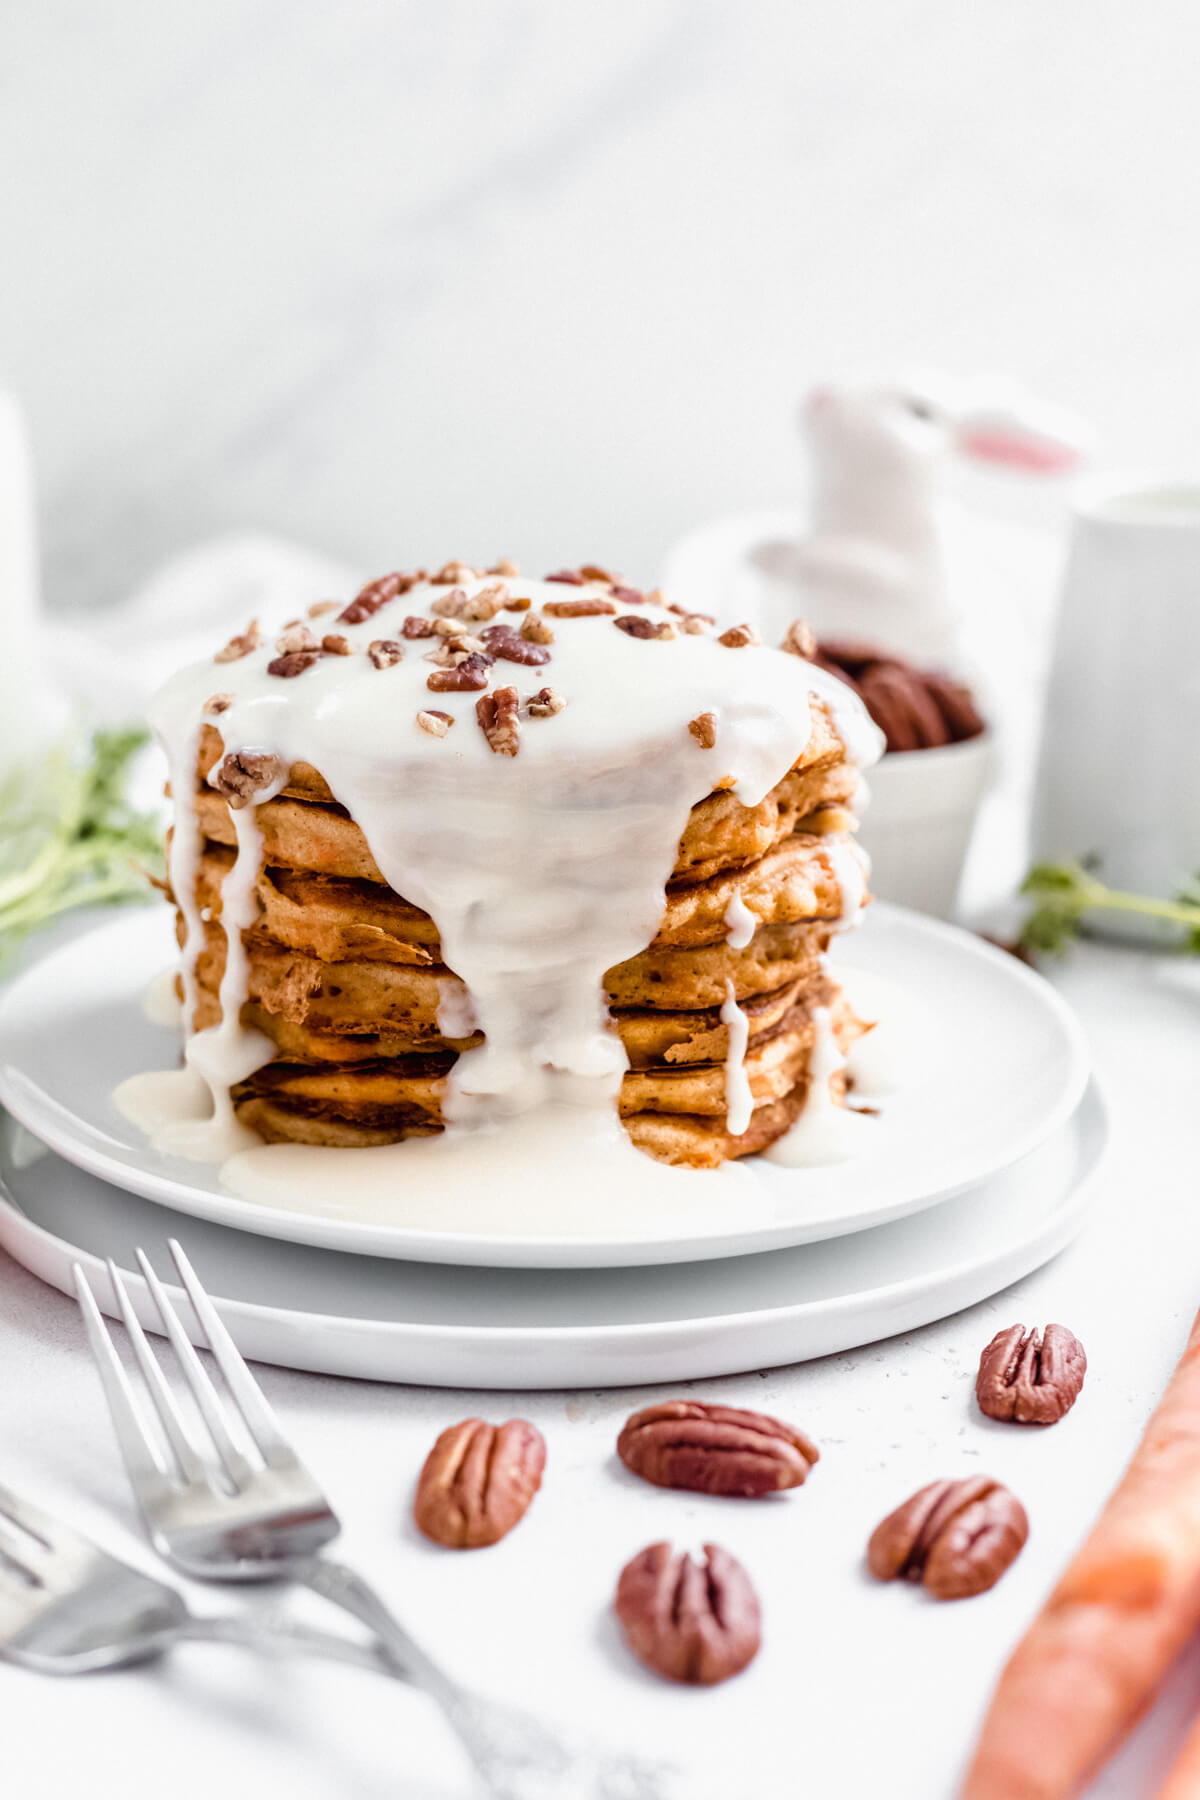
1017 447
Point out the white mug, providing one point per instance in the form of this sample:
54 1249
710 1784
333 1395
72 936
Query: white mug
1119 774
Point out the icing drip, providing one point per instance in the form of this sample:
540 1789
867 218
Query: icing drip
739 1102
850 866
740 922
825 1132
540 870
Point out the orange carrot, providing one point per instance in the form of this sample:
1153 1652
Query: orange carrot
1183 1782
1130 1600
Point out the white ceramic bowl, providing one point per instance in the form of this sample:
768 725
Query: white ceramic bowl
918 821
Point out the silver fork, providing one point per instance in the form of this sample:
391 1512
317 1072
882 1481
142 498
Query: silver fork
220 1515
67 1607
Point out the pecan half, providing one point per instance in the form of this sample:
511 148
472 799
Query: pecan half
545 703
738 636
417 628
638 625
242 645
800 640
437 724
956 1537
1030 1377
577 609
715 1449
334 644
292 663
478 1481
245 773
506 642
499 720
385 653
690 1622
367 602
704 729
467 676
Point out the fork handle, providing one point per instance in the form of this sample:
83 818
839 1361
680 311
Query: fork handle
401 1652
260 1632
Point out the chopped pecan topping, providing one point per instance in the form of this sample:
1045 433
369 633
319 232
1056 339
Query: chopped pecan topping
656 597
578 609
726 783
800 640
695 624
417 628
499 720
704 729
451 573
506 642
638 625
1031 1377
739 636
465 677
334 644
244 773
437 724
715 1449
453 650
486 603
956 1537
296 637
593 572
385 652
690 1622
448 627
628 596
478 1482
293 662
218 703
377 593
535 629
451 605
319 608
571 577
517 603
242 645
545 703
504 567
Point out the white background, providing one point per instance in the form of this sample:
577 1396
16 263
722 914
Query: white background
544 278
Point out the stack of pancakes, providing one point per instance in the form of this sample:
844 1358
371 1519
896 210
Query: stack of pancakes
346 977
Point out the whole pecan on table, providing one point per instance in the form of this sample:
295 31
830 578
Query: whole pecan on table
715 1449
690 1622
478 1481
1031 1377
955 1537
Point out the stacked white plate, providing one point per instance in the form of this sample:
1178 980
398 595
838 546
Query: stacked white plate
973 1174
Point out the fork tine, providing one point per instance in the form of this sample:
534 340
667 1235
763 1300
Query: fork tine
30 1518
261 1422
194 1373
191 1464
23 1549
137 1448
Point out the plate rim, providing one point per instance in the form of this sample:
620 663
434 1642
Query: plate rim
1094 1132
50 1121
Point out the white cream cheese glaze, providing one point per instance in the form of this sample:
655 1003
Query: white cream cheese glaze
541 870
740 922
739 1101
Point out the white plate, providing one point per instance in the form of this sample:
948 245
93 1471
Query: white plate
511 1328
1004 1066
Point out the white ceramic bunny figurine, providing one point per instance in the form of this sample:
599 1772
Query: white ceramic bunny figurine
873 565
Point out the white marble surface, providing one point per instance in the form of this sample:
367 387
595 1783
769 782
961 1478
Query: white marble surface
860 1691
543 279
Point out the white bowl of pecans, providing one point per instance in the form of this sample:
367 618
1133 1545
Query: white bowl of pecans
922 798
